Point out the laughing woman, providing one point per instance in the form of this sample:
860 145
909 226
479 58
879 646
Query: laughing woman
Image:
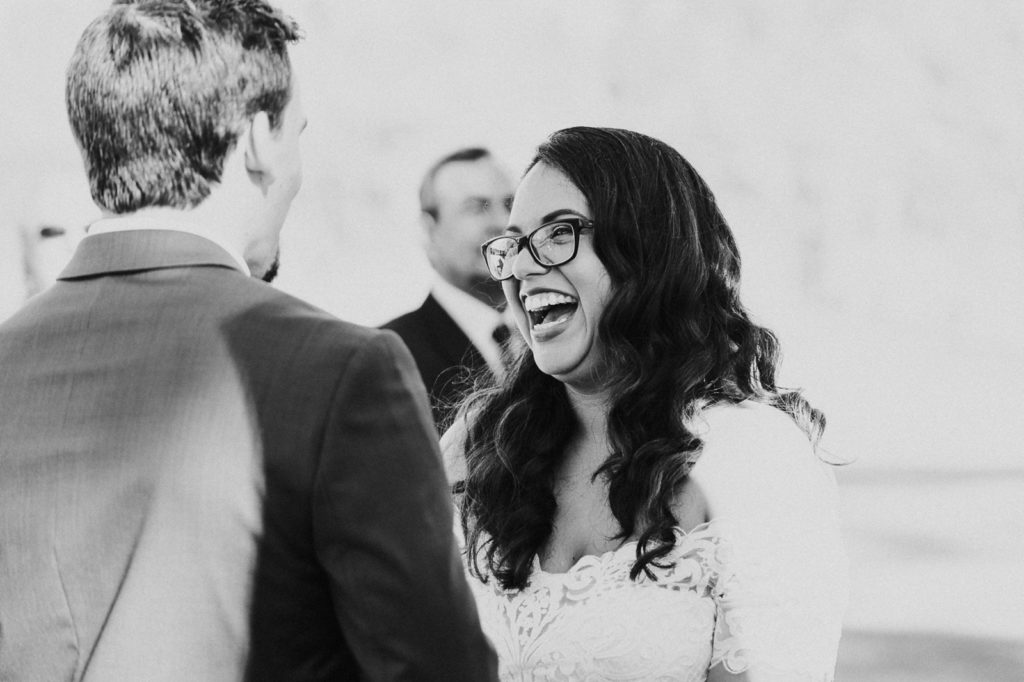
639 500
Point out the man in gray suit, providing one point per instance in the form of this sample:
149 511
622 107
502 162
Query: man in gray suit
202 478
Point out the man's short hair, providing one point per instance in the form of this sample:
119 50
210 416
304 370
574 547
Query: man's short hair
159 91
428 197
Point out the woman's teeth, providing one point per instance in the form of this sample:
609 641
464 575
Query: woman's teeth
548 309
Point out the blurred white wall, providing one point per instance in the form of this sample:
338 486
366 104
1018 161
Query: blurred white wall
869 156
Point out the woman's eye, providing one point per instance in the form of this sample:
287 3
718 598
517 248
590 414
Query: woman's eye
560 233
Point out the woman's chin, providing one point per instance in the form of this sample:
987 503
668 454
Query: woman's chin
573 374
554 362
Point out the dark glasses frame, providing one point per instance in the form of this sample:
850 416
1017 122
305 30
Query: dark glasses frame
575 223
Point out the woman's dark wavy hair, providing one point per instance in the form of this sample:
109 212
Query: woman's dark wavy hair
676 339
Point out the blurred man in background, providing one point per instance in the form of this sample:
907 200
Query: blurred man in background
53 221
465 199
203 478
40 227
14 273
47 248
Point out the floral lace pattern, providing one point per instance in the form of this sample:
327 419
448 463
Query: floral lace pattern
735 596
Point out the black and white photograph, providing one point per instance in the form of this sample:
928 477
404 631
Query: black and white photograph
632 340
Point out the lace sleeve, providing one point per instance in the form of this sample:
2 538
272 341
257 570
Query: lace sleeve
779 602
781 585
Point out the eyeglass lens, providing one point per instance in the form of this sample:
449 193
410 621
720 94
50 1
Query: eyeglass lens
552 244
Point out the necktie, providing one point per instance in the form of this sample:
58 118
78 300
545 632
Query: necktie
500 334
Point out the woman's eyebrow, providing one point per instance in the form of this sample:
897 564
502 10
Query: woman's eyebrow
547 218
559 213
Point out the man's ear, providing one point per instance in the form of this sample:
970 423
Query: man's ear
428 222
260 150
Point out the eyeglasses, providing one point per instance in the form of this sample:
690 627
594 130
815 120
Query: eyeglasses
551 244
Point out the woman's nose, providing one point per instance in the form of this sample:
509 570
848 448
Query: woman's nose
524 265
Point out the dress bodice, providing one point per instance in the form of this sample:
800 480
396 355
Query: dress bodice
761 588
721 601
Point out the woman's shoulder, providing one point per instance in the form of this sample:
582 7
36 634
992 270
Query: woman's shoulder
746 419
751 431
755 454
453 449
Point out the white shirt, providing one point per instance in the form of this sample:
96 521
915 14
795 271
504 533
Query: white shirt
475 318
163 222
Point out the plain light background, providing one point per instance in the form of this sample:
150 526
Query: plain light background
869 157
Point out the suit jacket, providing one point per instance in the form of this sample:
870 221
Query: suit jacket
445 356
203 478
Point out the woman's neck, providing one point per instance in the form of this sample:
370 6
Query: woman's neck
590 447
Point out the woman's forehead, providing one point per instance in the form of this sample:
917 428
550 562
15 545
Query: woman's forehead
545 191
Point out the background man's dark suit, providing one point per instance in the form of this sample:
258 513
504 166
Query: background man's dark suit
444 355
201 475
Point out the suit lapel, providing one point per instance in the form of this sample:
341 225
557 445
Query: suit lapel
452 342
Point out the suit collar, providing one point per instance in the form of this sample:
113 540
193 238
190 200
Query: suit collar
451 339
138 250
476 319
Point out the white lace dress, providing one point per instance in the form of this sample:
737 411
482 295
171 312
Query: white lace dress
761 592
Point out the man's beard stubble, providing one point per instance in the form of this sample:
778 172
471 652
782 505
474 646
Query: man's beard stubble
271 272
492 291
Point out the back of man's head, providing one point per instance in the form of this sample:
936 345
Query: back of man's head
158 92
